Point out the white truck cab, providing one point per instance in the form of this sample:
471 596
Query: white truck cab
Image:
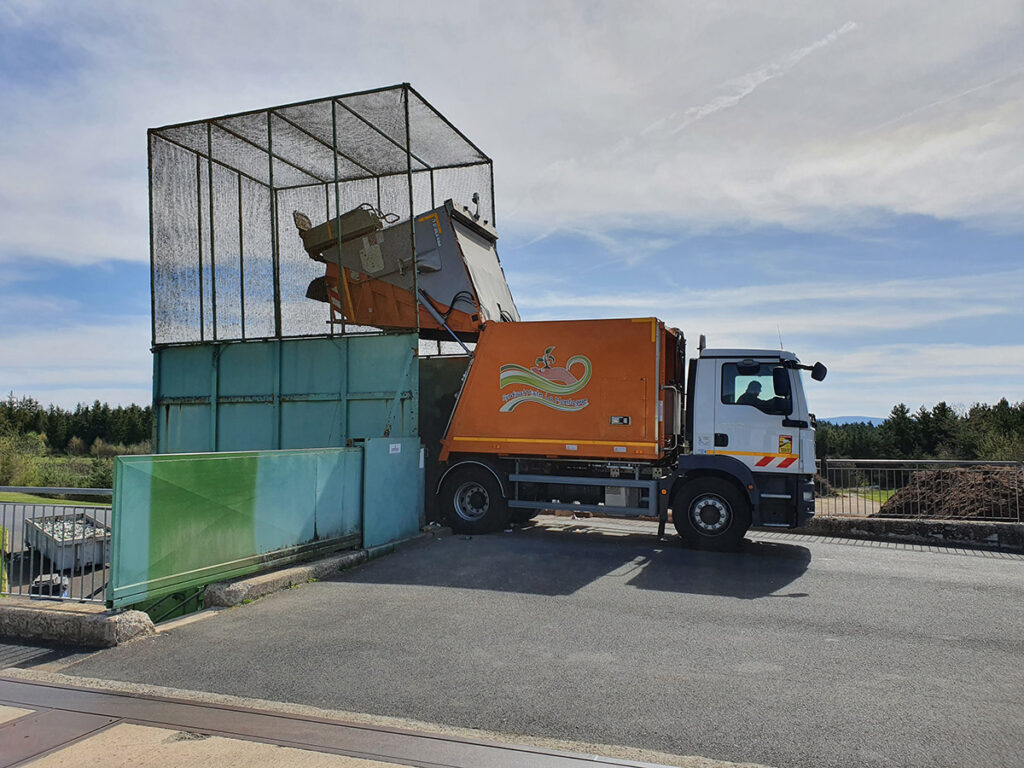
748 417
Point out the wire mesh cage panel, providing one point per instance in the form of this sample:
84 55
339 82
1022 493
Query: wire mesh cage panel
227 260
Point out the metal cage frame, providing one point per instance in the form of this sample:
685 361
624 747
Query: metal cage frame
384 137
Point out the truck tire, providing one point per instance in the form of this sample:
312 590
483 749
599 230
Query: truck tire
472 502
711 513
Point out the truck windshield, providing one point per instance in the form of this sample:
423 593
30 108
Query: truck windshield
757 390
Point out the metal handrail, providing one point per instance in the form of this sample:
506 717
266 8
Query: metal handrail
949 462
55 550
57 491
922 489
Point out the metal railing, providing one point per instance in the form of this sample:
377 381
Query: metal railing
55 551
925 489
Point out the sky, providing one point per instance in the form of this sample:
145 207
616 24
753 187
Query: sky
847 178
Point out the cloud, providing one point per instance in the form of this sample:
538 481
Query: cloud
563 106
907 362
826 400
949 99
16 308
742 87
920 374
811 309
869 380
750 327
80 363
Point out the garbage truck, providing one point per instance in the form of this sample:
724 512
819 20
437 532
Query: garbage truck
606 416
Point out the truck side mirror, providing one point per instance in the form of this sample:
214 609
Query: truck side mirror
780 381
818 372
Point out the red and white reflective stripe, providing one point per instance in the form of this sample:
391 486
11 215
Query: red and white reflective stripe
763 460
783 463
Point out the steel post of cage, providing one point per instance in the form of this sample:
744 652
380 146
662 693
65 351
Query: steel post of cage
494 207
199 243
274 250
412 212
241 259
327 217
152 244
337 208
213 229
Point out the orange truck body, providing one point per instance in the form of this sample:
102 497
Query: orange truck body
588 389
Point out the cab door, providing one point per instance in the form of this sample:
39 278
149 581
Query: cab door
749 416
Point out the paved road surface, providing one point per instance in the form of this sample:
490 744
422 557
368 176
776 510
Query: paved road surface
796 652
18 653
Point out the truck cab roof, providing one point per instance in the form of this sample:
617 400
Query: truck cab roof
757 354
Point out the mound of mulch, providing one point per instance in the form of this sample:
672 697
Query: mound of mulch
823 488
962 492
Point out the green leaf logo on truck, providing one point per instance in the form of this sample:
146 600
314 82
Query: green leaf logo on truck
549 384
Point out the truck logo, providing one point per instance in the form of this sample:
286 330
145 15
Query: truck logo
546 383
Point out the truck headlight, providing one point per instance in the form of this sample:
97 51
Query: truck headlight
808 495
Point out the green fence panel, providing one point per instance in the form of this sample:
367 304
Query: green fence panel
295 393
392 489
181 521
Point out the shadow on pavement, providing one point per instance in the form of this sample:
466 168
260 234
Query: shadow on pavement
760 569
544 561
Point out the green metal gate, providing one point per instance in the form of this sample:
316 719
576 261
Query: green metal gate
187 520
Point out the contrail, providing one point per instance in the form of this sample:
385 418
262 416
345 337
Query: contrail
745 85
948 99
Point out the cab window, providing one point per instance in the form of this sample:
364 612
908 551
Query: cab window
756 390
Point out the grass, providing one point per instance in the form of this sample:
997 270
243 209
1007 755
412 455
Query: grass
28 498
874 494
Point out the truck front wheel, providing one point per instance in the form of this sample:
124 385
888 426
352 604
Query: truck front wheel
711 513
472 501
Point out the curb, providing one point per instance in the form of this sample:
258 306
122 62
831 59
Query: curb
521 747
78 625
236 592
227 594
1004 537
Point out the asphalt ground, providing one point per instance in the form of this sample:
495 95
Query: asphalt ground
18 653
794 652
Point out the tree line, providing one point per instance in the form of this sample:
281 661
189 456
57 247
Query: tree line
76 432
981 432
984 432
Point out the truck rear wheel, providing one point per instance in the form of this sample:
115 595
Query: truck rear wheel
711 513
472 502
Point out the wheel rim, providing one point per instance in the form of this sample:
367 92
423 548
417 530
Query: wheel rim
710 514
471 501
